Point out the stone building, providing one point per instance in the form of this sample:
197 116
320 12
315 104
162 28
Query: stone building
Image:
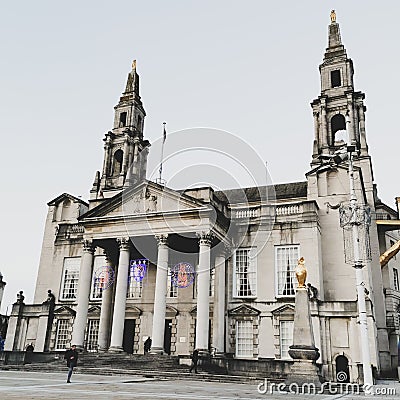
241 303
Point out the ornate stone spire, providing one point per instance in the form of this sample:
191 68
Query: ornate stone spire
132 83
335 46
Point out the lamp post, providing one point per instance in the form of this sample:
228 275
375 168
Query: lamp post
356 219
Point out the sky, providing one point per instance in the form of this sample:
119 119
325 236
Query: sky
247 68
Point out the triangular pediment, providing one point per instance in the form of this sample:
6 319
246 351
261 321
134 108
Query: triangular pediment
59 199
244 310
94 310
64 310
148 198
284 309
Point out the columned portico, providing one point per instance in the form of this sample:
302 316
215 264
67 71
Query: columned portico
203 287
85 278
219 305
117 331
160 295
105 312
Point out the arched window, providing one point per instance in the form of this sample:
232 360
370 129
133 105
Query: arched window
338 123
117 162
66 210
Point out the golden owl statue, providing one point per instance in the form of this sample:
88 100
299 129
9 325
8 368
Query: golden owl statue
301 273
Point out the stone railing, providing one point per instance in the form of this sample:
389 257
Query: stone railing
247 213
289 209
69 231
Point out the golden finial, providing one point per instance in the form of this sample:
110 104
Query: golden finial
301 273
333 16
134 64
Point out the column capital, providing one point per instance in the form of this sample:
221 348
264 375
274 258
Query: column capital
162 240
205 238
123 243
88 246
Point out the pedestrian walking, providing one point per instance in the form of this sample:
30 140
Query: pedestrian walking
195 360
71 355
147 345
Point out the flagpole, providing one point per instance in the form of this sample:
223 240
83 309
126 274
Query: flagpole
162 154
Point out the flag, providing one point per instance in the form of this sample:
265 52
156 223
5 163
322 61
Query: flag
165 134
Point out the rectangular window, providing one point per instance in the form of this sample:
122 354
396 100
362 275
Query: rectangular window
62 334
92 334
286 337
96 290
245 273
286 258
396 282
70 278
244 339
212 282
172 290
335 78
136 276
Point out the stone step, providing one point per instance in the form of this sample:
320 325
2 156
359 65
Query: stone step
183 374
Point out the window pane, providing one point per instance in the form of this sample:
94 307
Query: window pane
62 334
245 273
286 258
70 278
96 289
244 339
92 334
286 337
135 281
172 290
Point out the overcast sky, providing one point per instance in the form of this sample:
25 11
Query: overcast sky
249 68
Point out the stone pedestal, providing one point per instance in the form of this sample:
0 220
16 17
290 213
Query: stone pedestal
303 350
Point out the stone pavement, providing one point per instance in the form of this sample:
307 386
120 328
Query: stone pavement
52 386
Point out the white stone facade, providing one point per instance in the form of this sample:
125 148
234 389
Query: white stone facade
241 304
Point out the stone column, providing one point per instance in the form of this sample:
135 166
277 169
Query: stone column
324 133
85 279
160 296
317 140
203 287
117 331
363 139
219 305
351 128
105 312
106 157
126 155
135 161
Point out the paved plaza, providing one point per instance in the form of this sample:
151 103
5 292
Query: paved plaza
36 385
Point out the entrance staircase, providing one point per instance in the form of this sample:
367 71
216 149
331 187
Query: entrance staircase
149 365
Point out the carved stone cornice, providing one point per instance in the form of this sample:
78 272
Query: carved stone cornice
162 240
123 243
88 246
205 238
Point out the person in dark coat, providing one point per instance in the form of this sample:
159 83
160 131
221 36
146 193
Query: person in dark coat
71 355
195 360
147 345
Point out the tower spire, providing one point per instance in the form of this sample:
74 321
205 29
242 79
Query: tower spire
339 110
335 46
124 145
